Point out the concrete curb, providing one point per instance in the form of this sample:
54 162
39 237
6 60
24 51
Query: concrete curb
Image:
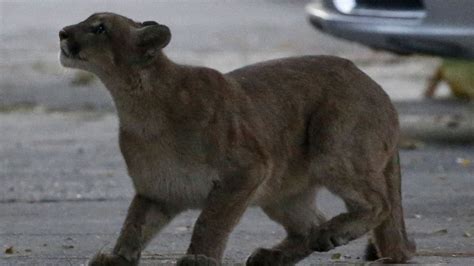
433 128
427 120
436 120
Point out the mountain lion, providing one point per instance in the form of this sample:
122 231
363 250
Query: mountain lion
269 134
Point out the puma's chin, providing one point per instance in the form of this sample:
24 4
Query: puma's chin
72 62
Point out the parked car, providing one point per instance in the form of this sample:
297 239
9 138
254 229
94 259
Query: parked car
438 27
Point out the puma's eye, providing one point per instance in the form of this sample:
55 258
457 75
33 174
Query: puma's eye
99 29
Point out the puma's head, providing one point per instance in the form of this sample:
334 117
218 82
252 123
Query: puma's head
105 41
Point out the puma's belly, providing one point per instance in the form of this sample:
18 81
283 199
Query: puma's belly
167 178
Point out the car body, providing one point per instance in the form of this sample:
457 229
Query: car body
438 27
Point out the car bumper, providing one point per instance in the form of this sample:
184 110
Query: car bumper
427 31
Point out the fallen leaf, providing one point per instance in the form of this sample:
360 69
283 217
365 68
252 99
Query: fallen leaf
440 232
9 250
336 256
464 162
410 144
467 234
452 124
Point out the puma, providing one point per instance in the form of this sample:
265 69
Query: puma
269 134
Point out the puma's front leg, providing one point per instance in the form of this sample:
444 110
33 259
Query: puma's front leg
224 207
145 218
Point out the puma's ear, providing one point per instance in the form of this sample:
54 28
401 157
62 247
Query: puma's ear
152 36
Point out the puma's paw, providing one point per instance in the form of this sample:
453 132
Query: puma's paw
325 240
103 259
266 257
197 260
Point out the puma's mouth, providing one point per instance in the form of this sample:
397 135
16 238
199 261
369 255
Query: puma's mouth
69 59
70 52
65 53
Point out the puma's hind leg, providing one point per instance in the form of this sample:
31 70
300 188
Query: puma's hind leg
365 194
299 216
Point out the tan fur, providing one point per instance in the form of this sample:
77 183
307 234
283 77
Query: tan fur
268 134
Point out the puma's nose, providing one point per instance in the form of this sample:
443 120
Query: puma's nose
63 35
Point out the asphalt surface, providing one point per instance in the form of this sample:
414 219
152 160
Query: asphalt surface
64 190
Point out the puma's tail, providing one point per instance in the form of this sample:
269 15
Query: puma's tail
389 241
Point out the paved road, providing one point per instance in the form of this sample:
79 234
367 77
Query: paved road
65 191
